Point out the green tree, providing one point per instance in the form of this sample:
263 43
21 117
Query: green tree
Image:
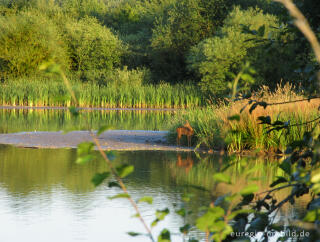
26 41
183 25
93 48
215 58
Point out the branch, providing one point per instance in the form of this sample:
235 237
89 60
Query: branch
302 23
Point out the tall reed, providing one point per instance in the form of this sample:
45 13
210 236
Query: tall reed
215 130
44 93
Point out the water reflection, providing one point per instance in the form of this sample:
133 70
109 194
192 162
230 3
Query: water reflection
47 197
18 120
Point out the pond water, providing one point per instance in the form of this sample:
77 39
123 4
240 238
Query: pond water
45 196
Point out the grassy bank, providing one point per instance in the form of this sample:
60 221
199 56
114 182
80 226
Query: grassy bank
213 128
53 93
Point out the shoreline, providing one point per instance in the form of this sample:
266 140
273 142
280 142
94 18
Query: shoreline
89 108
109 140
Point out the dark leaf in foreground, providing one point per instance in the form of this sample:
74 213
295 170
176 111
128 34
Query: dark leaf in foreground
99 178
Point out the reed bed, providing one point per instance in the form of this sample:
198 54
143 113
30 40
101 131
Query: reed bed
215 130
44 93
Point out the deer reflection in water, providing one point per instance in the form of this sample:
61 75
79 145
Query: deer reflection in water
185 163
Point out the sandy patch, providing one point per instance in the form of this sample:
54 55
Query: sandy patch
109 140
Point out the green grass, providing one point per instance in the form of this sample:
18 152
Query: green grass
214 130
54 93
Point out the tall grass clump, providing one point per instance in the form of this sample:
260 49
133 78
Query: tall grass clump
214 129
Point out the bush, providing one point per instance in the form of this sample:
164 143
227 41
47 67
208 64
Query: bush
26 41
133 78
214 58
94 50
185 24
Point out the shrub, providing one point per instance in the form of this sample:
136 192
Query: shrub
133 78
214 58
94 50
186 23
26 41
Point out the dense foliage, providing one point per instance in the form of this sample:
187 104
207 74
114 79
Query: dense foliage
201 42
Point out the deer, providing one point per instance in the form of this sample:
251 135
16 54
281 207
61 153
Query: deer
185 130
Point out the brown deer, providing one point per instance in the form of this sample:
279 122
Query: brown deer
186 163
185 130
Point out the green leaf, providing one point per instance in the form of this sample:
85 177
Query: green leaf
181 212
252 188
134 234
221 177
120 195
146 200
103 129
154 222
161 214
278 181
99 178
113 184
164 236
125 170
85 148
110 155
315 178
312 216
85 159
206 221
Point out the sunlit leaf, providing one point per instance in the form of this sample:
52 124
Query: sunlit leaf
146 200
85 148
103 129
252 188
84 159
161 214
278 181
221 177
120 195
125 170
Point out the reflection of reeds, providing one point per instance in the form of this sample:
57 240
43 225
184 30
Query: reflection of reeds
44 93
243 172
17 120
214 129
